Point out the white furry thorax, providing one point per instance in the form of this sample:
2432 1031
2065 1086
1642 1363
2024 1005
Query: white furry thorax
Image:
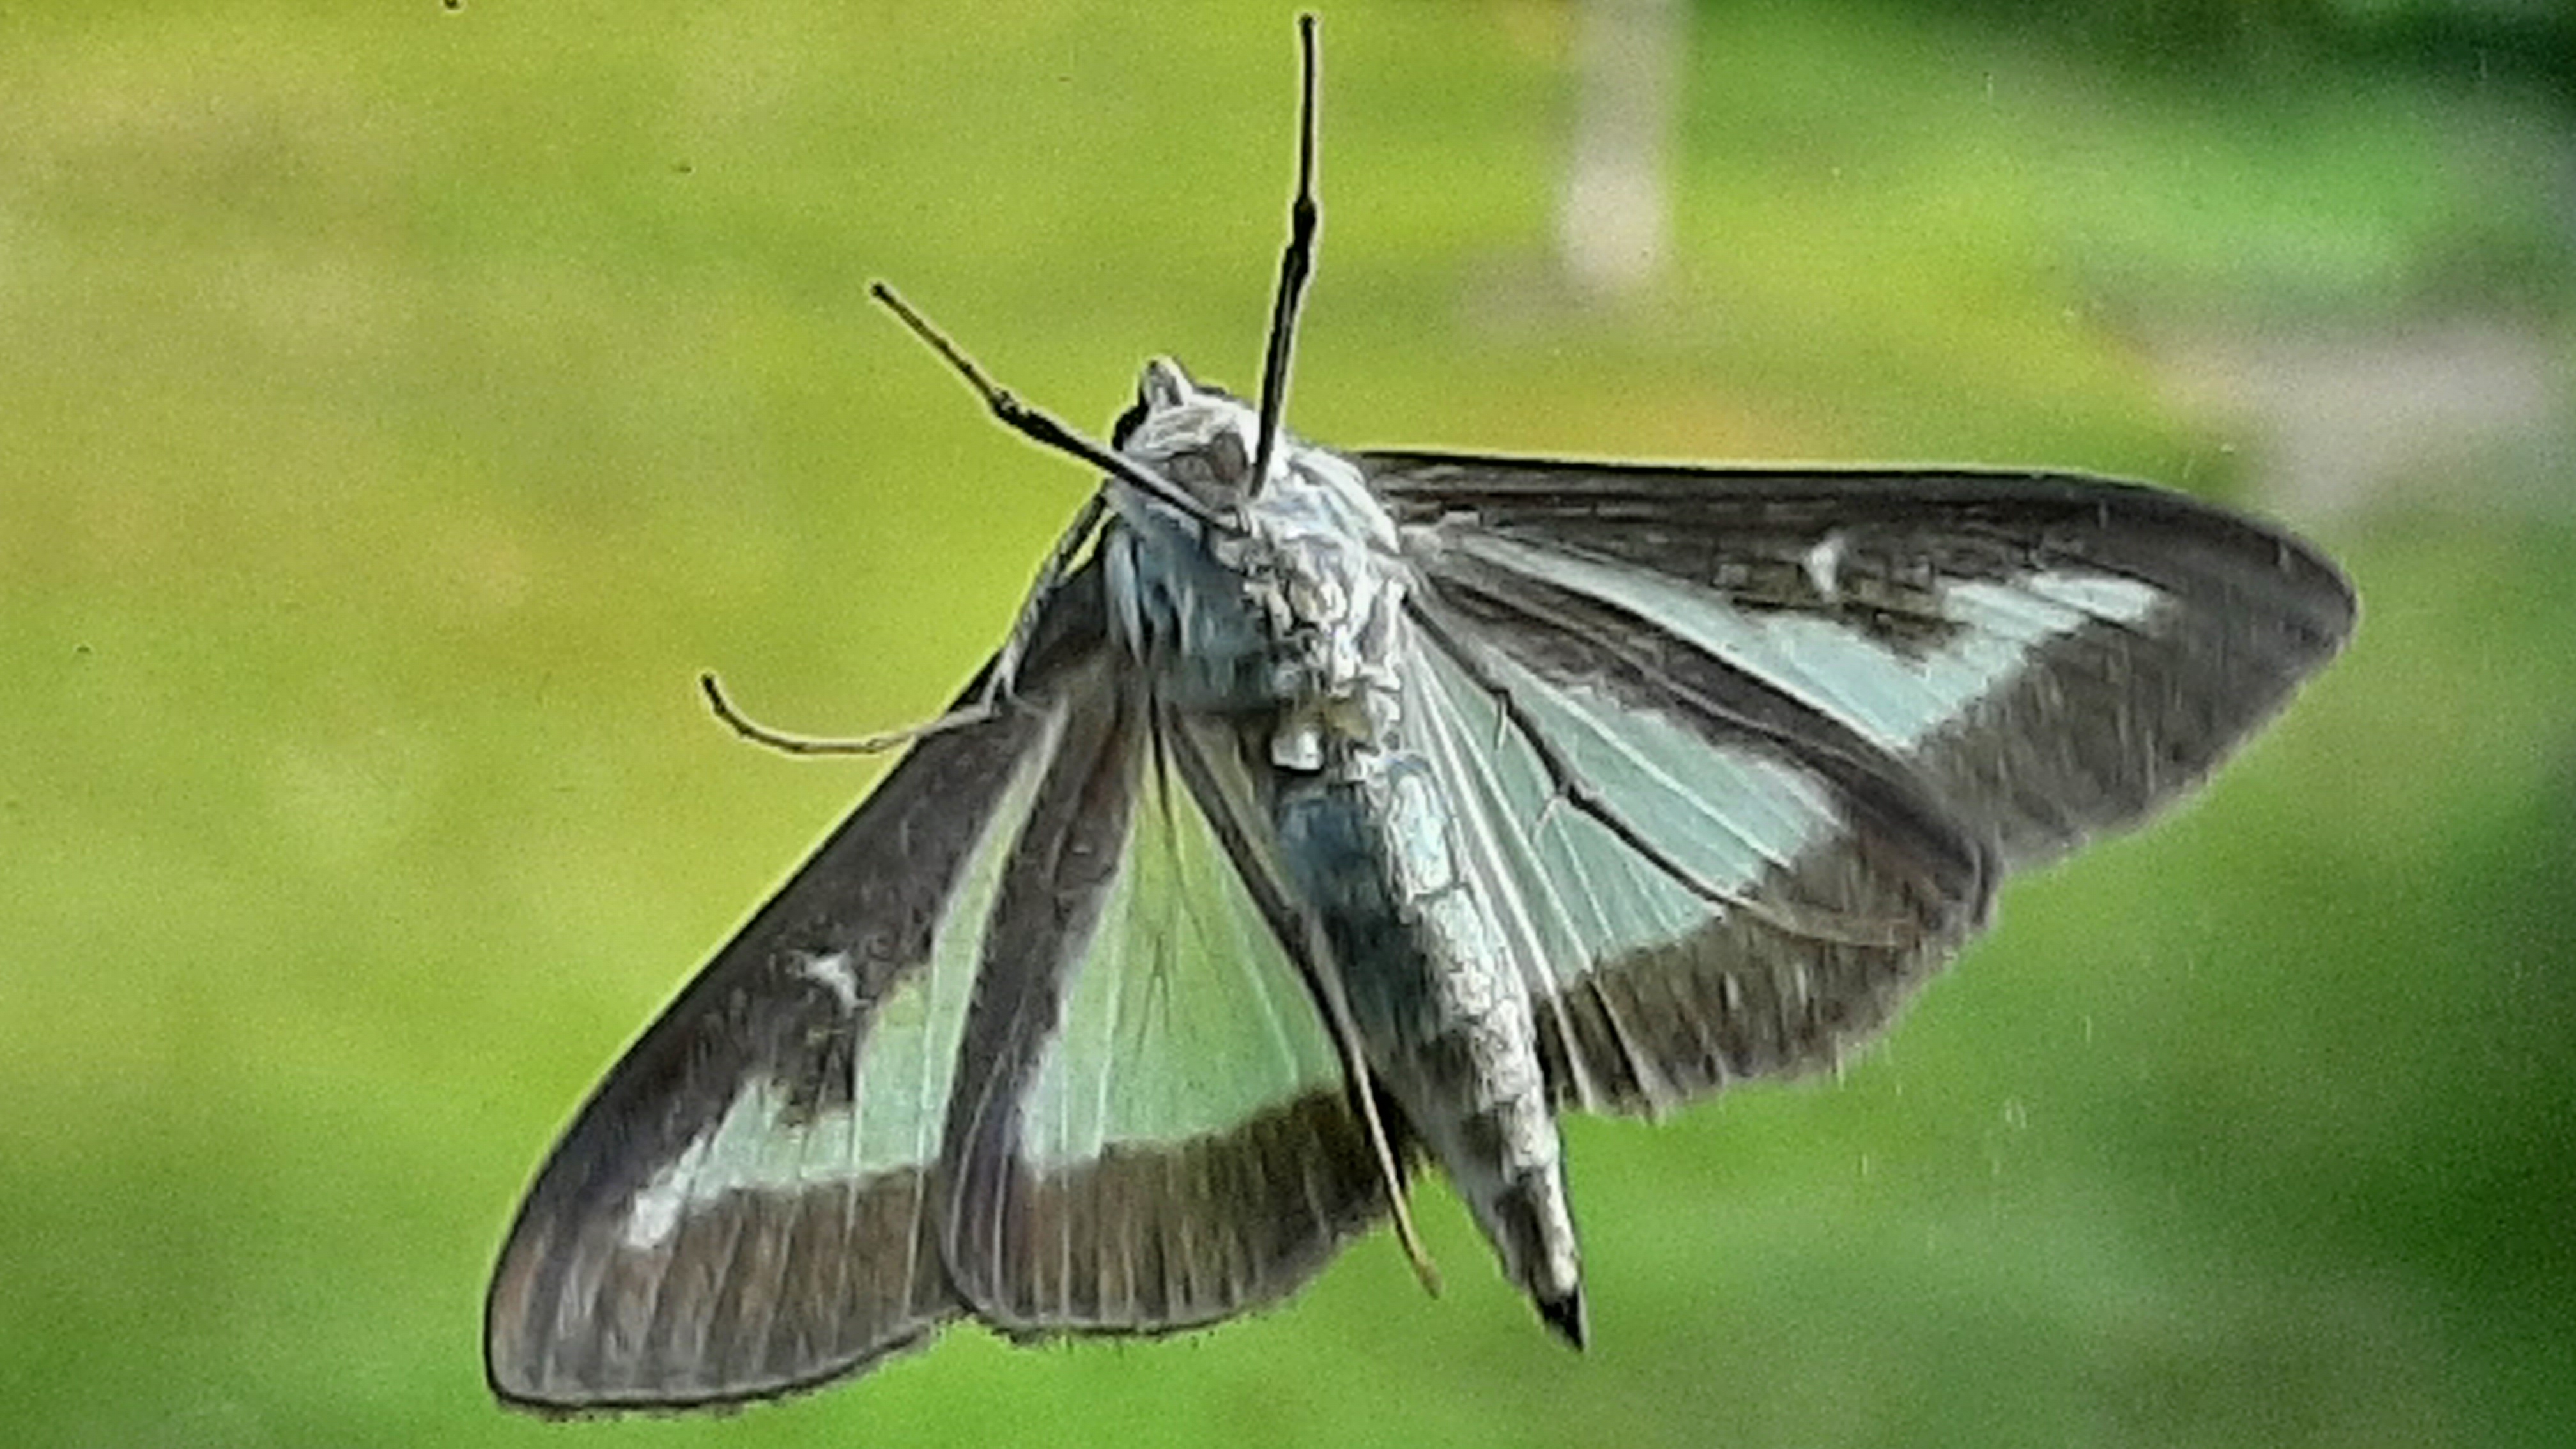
1292 599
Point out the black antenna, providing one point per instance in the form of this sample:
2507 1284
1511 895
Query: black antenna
1296 263
1037 425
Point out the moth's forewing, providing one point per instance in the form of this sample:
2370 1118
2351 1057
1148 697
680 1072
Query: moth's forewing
1846 700
750 1201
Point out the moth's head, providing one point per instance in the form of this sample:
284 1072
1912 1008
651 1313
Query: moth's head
1198 436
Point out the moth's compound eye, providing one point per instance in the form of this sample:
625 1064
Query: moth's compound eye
1228 465
1214 472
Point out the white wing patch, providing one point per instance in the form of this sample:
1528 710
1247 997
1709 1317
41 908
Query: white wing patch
831 971
1895 700
741 1149
1823 565
897 1101
655 1213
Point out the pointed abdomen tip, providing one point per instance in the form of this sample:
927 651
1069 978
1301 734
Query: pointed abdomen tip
1565 1315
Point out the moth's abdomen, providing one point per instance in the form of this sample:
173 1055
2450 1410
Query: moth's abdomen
1443 1019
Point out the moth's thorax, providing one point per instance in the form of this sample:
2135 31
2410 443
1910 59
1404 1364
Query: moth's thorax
1291 601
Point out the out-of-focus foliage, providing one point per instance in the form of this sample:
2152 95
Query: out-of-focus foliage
2227 41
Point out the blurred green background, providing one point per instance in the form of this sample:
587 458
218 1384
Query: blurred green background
399 406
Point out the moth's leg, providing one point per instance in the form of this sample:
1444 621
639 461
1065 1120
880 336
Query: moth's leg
1302 938
787 744
1565 783
1005 673
1346 1040
998 680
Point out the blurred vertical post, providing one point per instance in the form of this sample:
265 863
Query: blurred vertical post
1614 217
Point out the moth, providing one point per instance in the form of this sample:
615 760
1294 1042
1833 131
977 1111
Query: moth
1331 816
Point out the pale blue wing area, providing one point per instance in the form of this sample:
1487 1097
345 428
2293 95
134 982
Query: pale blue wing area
1160 1133
1761 872
2050 656
1895 696
1689 901
1186 1017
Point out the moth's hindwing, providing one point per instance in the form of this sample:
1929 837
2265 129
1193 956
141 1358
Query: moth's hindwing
1791 897
1159 1134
